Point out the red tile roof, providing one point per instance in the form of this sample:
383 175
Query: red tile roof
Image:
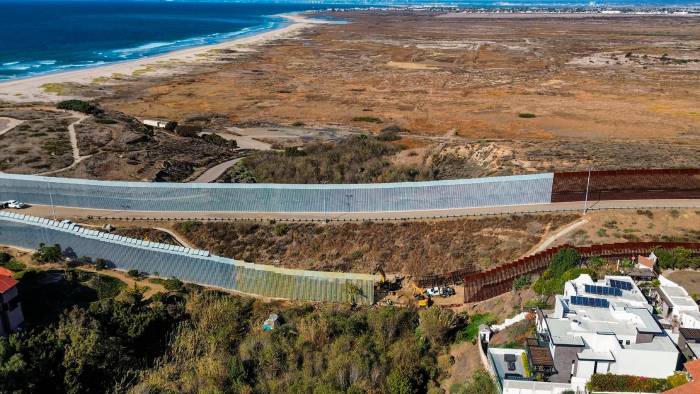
645 261
692 387
5 272
6 283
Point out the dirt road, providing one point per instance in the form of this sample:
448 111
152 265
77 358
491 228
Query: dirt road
74 212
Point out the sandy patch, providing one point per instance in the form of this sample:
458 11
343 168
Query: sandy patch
411 66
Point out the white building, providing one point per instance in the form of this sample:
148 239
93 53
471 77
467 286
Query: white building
676 307
605 327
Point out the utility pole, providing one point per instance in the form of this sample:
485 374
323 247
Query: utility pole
588 185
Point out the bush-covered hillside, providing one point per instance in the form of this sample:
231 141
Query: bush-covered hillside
89 333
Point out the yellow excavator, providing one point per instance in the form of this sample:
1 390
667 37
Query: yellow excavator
423 299
384 284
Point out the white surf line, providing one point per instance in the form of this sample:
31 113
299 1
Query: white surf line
12 123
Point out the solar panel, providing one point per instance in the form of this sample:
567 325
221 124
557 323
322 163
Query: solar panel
588 301
603 290
621 284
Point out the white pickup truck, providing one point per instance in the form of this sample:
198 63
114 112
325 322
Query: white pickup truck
14 204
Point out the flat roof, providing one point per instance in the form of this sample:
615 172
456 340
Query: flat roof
559 332
650 325
589 354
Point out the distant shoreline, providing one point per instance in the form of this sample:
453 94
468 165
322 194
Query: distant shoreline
43 87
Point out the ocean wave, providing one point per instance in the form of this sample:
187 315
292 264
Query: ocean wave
22 66
144 47
155 48
23 69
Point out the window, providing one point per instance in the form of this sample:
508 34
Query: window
627 342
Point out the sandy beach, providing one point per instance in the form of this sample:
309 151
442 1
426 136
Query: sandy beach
42 88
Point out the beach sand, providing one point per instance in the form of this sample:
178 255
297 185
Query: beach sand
44 88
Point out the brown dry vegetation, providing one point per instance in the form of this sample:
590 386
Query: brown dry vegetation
147 234
600 88
673 225
119 147
41 143
413 248
472 78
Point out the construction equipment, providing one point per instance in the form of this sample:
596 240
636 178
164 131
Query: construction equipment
384 283
423 299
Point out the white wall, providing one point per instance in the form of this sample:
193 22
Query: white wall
644 363
584 369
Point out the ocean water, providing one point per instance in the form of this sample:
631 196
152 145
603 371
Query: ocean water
44 36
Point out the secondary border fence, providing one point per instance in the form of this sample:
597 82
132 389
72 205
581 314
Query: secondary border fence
499 280
626 185
278 198
189 265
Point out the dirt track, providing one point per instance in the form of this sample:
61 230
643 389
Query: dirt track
73 212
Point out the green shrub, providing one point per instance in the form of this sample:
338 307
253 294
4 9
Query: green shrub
522 282
479 383
280 229
471 330
105 121
188 226
106 286
186 130
79 106
48 254
645 212
172 284
356 255
562 268
5 258
293 151
134 273
218 140
526 115
676 258
14 265
368 119
388 136
100 264
626 383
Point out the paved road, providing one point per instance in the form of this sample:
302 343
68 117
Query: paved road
215 172
72 212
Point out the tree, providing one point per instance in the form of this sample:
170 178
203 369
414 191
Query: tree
480 383
91 359
79 106
406 379
48 254
437 324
